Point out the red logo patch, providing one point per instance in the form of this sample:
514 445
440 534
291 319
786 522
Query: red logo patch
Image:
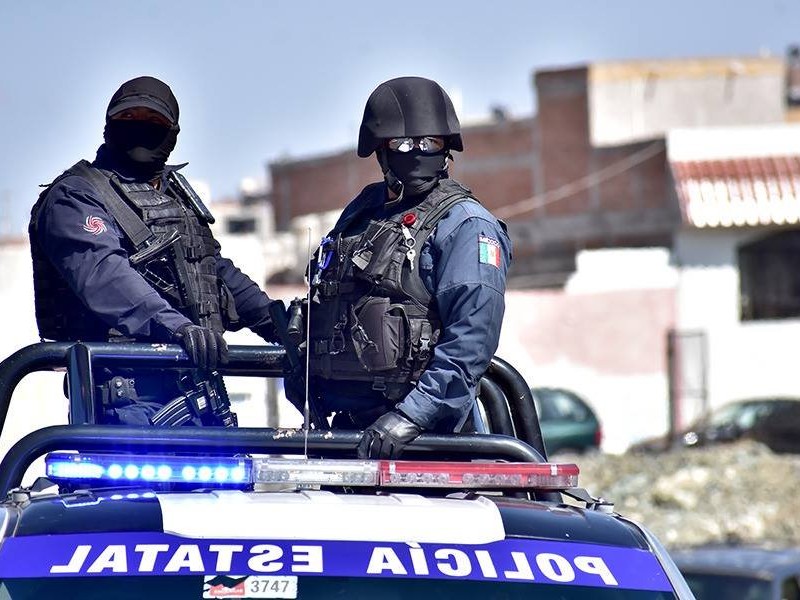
94 225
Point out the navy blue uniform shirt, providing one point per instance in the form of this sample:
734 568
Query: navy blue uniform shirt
85 245
463 264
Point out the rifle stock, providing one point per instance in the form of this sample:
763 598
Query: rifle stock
291 340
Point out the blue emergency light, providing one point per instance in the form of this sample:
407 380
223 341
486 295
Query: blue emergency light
121 469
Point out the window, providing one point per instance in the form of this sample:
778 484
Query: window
557 405
769 278
316 588
245 225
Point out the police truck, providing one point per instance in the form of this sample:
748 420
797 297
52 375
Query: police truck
215 512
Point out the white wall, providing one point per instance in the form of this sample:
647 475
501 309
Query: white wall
641 100
746 359
39 399
602 336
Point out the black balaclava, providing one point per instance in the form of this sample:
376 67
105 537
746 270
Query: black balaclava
139 149
412 173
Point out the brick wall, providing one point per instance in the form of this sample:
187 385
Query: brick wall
497 165
508 160
632 208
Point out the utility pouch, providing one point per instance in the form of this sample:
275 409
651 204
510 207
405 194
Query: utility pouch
375 260
379 331
227 307
117 391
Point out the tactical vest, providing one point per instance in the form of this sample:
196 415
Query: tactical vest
372 319
168 241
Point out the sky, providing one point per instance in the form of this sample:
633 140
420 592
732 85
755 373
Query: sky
259 81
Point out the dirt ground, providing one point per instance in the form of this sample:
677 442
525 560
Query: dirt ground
737 493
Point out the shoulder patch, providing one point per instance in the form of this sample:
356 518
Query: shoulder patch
488 251
94 225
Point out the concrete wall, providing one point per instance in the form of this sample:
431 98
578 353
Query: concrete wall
746 359
39 399
497 164
603 336
640 100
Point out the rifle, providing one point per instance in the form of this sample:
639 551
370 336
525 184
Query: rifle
290 333
207 400
166 253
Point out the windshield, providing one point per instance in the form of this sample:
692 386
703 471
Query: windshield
311 588
715 587
742 415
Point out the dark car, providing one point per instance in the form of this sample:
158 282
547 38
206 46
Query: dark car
774 422
568 422
741 573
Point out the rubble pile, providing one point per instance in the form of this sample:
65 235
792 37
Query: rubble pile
737 493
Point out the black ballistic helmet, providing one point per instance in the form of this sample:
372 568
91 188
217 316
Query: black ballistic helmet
408 107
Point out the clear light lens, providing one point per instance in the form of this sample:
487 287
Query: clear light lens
316 471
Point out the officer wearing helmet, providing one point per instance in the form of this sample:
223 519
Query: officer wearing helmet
407 290
122 251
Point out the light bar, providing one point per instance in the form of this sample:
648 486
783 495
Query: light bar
416 474
127 469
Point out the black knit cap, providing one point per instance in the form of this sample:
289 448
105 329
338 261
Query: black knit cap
145 92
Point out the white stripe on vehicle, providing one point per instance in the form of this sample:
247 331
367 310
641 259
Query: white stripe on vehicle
327 516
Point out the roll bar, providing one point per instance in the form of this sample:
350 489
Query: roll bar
504 394
211 441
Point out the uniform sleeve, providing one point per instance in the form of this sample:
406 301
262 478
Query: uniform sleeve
470 263
84 244
252 303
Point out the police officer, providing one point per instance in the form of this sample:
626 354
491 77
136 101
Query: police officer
122 251
407 293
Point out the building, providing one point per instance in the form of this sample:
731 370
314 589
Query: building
598 300
653 207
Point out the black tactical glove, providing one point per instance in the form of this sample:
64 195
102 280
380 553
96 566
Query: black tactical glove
206 348
387 436
267 332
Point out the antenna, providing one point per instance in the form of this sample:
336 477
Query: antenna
307 405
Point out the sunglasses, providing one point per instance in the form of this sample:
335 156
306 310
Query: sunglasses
428 144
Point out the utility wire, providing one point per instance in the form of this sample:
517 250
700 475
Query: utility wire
579 185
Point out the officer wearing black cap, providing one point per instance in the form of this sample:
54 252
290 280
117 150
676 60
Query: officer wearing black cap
122 251
408 289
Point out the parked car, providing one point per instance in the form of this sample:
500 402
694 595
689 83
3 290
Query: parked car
568 423
775 422
741 573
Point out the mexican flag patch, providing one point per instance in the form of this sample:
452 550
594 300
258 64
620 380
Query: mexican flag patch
488 251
